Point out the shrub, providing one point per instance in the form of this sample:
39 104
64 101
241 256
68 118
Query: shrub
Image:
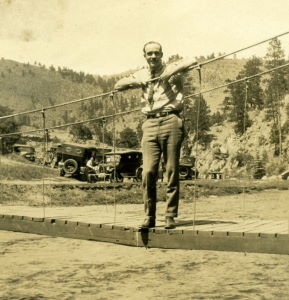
276 166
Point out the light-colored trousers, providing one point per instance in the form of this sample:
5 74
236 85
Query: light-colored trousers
163 135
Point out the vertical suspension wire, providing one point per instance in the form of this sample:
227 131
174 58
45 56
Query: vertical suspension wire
103 133
44 149
103 159
244 144
112 98
199 69
1 153
245 104
279 120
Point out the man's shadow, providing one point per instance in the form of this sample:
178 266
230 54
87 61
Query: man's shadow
145 232
184 223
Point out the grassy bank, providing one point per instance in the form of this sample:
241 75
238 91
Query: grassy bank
77 194
126 193
13 167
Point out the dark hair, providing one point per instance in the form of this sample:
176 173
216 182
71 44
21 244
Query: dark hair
152 42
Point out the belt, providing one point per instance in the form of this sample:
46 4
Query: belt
162 114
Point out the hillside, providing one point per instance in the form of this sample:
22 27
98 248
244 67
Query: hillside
238 155
27 87
216 74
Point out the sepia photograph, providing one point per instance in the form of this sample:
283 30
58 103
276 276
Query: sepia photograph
144 149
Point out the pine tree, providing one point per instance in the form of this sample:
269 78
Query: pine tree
244 96
276 88
237 111
217 118
254 91
197 124
276 84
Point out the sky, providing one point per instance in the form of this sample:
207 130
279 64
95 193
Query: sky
106 36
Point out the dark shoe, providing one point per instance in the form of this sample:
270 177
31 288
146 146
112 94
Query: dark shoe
170 223
148 223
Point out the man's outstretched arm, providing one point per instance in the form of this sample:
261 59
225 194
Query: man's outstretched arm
177 68
126 83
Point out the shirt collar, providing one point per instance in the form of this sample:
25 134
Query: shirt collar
158 71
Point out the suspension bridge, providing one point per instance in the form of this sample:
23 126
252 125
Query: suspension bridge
263 236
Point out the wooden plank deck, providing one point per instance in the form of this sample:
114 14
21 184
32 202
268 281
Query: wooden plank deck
99 224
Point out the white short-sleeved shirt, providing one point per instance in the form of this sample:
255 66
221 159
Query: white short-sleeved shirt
167 94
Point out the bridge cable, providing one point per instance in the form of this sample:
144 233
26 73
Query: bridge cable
199 69
242 49
279 119
138 109
238 80
44 155
111 94
245 143
56 105
154 79
112 98
103 160
1 153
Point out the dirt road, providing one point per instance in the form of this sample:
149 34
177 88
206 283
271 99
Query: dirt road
40 267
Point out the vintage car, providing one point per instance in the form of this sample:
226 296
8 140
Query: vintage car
72 158
25 151
122 164
187 169
128 164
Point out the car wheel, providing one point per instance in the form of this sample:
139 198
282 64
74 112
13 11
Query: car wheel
70 166
184 172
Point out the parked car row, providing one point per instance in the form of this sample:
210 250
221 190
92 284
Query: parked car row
114 166
71 160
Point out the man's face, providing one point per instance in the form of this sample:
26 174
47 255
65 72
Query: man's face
153 54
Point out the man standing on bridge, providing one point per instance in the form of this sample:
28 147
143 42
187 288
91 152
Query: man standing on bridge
163 131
